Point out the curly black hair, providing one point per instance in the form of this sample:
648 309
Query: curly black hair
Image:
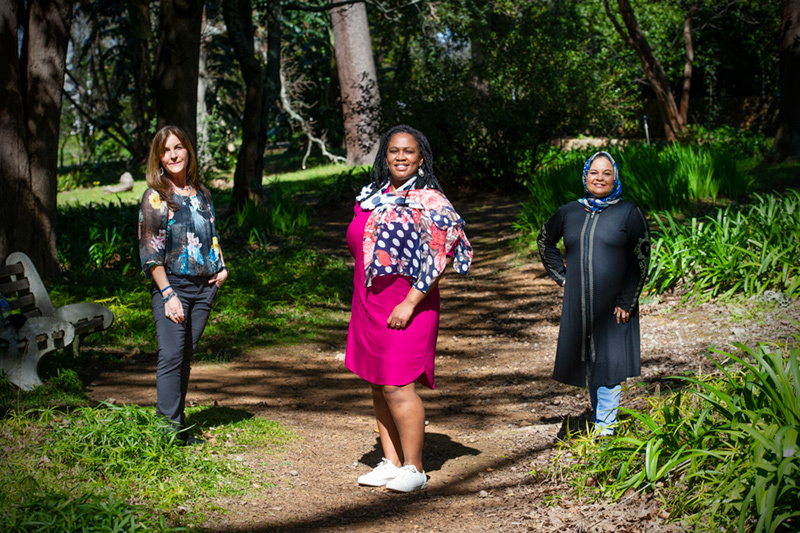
380 171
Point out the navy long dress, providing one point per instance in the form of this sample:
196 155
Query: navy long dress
608 254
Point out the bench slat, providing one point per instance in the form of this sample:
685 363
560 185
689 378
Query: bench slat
11 270
23 304
88 326
12 287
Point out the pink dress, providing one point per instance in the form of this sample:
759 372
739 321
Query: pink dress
376 352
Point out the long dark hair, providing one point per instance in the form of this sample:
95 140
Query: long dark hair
380 171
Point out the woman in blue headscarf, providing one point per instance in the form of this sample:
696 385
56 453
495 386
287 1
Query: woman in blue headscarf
608 252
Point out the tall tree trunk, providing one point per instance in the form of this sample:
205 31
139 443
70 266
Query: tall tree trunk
141 107
358 81
272 82
247 178
787 140
674 127
30 118
178 63
17 211
204 159
686 88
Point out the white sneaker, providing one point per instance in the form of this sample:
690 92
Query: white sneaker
408 479
380 475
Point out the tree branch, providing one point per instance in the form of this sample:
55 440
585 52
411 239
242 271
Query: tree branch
613 18
91 120
294 115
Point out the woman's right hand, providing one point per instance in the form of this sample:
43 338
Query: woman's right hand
173 310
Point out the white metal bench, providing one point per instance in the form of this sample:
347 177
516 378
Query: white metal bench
46 328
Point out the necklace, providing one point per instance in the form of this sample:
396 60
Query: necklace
187 188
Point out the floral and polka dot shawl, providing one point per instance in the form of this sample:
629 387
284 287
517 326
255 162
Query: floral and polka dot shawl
410 233
185 242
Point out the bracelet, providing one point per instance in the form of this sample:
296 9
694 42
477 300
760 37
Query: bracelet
224 268
165 288
168 298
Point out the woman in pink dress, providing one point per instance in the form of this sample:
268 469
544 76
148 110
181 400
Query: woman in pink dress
403 235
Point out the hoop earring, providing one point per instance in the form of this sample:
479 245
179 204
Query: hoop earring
160 170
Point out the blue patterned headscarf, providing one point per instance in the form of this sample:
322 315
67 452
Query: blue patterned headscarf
590 200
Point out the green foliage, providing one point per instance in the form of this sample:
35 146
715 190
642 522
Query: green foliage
220 138
746 249
83 513
548 191
283 216
725 450
499 81
72 177
278 296
649 177
345 186
91 462
64 389
99 236
656 179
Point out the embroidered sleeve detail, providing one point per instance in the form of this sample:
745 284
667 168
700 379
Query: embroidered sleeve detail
639 250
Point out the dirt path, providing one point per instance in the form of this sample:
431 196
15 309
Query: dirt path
492 421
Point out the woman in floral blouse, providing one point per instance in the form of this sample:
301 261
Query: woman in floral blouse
180 252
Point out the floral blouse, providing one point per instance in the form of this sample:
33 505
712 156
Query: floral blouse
185 242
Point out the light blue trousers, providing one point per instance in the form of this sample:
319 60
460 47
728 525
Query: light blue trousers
605 403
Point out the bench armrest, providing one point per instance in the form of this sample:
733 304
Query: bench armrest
75 313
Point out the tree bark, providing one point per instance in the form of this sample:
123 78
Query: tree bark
141 100
686 88
272 81
787 140
247 178
674 127
358 82
30 118
204 159
177 66
16 202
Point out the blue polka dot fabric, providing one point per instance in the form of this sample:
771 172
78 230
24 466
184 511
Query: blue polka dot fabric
411 232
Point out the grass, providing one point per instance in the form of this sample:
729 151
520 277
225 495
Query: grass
96 195
721 454
111 466
72 467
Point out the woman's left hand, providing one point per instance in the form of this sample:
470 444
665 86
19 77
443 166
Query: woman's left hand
622 315
401 315
219 278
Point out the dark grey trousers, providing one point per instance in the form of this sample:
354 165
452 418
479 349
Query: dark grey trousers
178 342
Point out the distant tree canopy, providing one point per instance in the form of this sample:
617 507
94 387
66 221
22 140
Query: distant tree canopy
490 83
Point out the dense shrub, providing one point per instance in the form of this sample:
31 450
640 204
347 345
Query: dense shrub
723 453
